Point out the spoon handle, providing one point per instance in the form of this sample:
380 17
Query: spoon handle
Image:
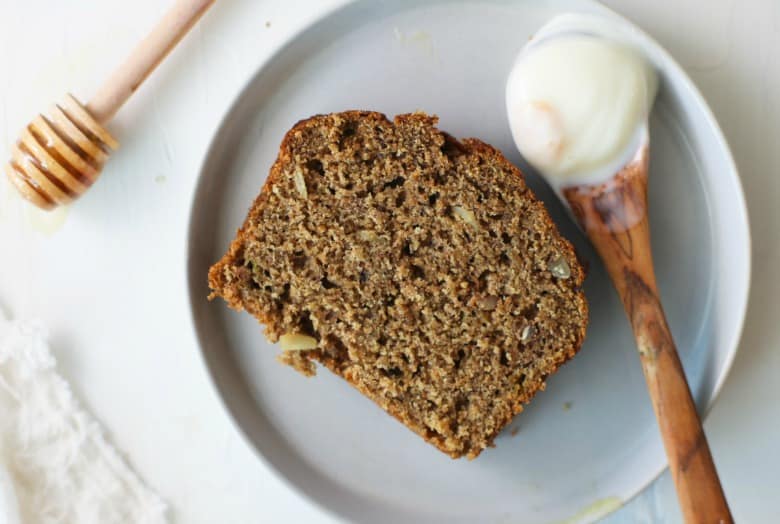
698 487
614 216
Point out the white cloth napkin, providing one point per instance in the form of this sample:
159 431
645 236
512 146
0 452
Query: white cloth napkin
55 463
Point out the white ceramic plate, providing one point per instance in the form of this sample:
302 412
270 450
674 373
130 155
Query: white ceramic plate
589 442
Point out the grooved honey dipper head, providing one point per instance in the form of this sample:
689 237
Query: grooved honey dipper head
59 156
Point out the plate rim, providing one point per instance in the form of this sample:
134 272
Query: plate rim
740 211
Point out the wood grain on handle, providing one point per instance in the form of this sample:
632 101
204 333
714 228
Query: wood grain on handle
614 216
124 81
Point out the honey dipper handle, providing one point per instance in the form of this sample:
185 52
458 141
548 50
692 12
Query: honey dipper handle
615 219
124 81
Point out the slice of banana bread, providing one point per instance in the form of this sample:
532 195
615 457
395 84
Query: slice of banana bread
420 269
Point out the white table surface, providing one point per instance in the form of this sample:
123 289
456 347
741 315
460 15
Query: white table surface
131 356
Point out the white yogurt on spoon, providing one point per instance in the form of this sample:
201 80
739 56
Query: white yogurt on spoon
578 100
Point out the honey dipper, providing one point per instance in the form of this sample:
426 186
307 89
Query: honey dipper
59 156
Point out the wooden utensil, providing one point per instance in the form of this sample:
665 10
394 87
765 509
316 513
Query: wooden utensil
58 157
614 216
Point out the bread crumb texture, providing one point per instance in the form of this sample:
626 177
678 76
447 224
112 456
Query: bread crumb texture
419 268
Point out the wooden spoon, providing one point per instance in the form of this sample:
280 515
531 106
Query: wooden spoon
614 216
58 157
